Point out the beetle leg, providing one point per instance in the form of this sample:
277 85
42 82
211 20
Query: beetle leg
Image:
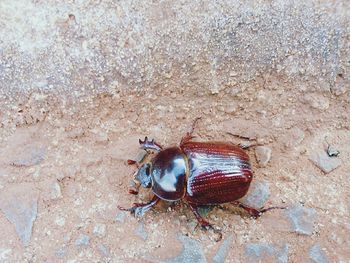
139 209
204 223
149 145
188 136
253 211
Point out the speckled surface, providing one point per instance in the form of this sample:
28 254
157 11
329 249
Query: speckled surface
82 81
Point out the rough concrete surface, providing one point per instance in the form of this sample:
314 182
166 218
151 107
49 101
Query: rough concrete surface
82 81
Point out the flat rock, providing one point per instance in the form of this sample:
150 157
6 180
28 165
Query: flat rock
262 252
141 232
103 250
20 207
263 155
302 219
324 162
257 195
192 251
317 255
82 241
221 254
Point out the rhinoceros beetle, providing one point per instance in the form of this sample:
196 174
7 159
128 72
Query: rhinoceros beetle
200 173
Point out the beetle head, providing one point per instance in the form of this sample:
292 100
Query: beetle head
144 175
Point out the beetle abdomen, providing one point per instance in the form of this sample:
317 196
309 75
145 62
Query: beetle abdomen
219 172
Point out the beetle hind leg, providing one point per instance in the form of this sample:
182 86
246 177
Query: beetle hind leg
253 211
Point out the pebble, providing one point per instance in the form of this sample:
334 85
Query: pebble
262 252
263 155
257 195
104 250
82 241
221 254
302 219
100 230
55 191
61 252
325 162
120 217
60 221
20 207
192 251
5 254
316 101
140 231
317 255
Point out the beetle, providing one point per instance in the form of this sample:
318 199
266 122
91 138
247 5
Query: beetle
200 173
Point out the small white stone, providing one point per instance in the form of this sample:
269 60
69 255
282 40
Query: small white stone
5 253
100 230
55 191
90 179
263 155
60 221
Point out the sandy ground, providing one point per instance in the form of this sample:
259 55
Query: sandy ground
72 164
82 82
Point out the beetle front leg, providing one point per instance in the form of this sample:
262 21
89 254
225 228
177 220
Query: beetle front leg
139 209
188 136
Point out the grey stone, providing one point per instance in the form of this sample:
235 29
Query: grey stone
257 195
82 241
263 155
192 251
141 232
30 157
325 162
261 252
61 252
221 254
120 217
317 255
103 250
20 207
316 101
302 219
99 230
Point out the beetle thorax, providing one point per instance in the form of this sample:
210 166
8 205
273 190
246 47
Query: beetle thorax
169 170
